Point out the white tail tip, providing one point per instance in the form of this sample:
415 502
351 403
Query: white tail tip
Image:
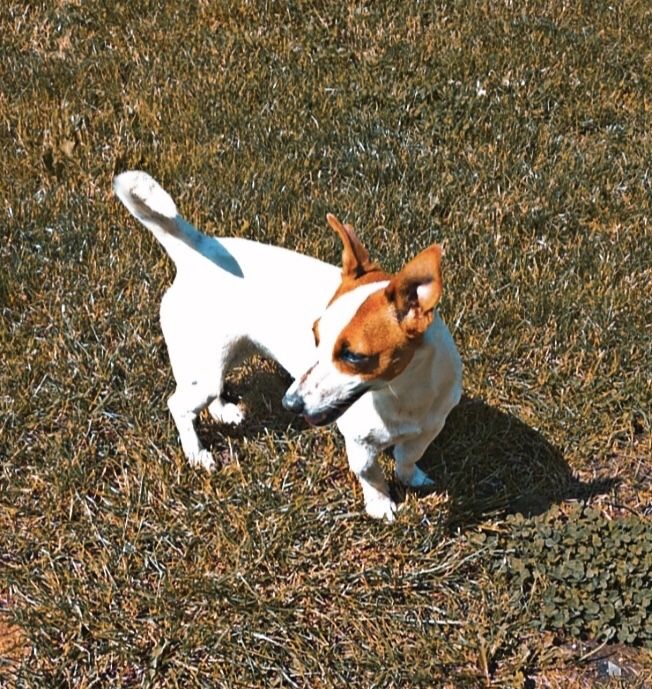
143 196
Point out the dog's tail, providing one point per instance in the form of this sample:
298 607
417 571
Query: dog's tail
148 202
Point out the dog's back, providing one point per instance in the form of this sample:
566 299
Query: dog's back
214 285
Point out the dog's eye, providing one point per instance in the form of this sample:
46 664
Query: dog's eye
352 358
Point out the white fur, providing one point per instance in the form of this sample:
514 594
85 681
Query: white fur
232 297
407 414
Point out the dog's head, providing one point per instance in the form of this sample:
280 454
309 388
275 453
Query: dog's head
369 331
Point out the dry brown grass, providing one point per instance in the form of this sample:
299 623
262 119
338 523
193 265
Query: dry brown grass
518 134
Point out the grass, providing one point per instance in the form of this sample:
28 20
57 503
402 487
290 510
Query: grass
519 135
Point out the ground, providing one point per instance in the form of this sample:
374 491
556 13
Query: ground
518 135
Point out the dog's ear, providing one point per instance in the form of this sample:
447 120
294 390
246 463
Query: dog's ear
355 258
416 290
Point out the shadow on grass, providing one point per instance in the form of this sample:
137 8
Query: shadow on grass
258 386
489 461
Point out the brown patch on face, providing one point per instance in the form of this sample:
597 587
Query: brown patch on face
376 333
315 331
389 325
380 340
304 377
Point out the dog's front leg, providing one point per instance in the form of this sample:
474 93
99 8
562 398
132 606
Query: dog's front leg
406 456
362 461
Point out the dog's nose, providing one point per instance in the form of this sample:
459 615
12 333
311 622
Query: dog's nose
293 402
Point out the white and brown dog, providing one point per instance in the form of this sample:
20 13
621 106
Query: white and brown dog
366 349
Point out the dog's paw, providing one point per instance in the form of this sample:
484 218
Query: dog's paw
381 507
226 413
417 478
202 459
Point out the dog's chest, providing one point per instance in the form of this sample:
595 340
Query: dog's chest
377 422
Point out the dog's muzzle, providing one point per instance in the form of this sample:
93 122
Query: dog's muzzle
293 402
322 417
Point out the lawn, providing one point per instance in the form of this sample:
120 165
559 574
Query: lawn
518 135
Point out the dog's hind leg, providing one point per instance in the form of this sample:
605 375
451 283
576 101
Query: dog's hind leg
233 353
199 385
186 402
225 412
200 357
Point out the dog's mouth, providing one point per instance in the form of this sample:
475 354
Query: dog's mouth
334 411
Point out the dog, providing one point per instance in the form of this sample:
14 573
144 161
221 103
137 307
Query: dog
367 350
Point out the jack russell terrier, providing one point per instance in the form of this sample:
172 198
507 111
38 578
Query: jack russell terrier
366 349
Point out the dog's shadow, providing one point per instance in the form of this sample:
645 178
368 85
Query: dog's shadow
487 461
258 386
